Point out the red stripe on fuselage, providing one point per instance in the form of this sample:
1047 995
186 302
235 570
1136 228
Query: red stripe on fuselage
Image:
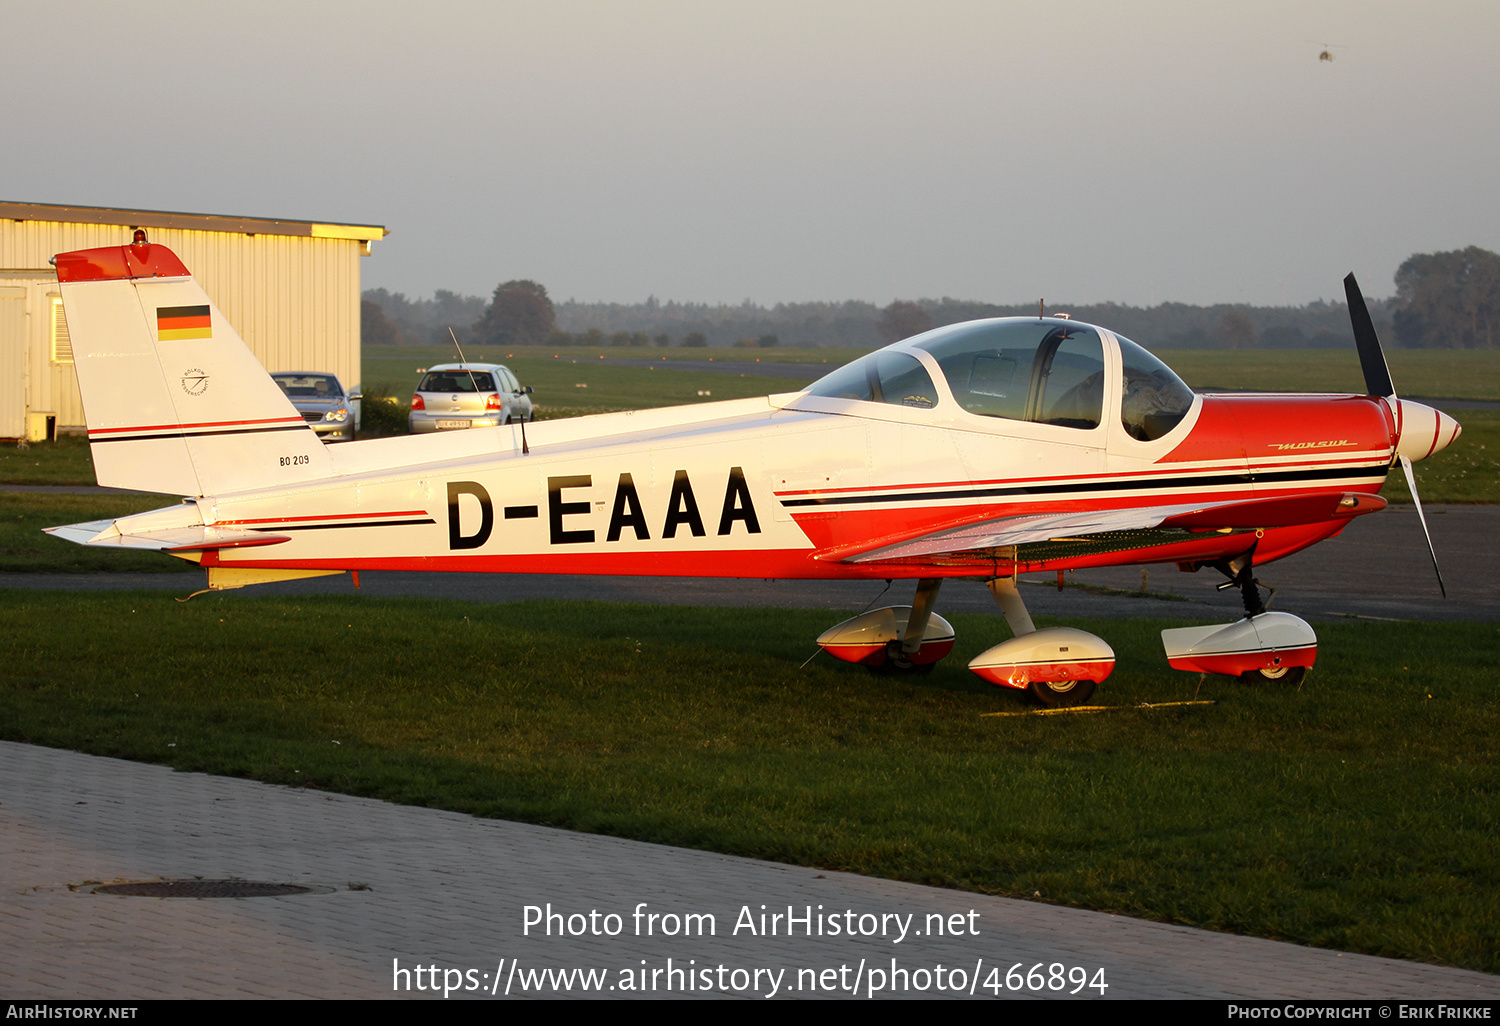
326 516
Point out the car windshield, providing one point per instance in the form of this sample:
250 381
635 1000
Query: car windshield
309 386
1044 371
457 381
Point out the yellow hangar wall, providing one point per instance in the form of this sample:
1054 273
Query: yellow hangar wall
291 289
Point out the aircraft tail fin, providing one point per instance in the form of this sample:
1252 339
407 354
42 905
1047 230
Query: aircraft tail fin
174 400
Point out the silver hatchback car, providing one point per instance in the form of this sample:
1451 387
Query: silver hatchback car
331 412
465 395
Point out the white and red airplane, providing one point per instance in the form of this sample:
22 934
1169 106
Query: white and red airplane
980 450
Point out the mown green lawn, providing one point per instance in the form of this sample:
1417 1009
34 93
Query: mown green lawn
1359 812
63 462
26 548
579 384
1436 373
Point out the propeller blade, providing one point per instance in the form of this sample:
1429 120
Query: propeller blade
1411 483
1371 357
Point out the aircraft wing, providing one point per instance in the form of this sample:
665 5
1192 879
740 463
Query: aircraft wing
1283 511
177 539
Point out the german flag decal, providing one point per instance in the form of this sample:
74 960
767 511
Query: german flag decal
174 323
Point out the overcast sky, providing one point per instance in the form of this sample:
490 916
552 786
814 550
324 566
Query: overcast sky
718 151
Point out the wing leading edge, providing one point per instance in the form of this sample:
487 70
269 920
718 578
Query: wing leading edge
1283 511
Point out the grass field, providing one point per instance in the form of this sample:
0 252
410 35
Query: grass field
605 387
1436 373
25 548
1359 812
63 462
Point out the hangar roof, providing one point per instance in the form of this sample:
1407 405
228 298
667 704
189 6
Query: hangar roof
195 222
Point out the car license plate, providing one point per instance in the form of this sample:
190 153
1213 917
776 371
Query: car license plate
447 424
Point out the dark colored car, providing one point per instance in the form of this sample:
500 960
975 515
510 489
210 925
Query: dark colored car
323 403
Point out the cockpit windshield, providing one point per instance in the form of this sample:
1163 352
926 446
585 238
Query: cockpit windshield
1043 371
882 377
1156 399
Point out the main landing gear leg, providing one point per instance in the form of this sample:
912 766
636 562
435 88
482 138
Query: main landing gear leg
901 656
1241 573
1008 598
1056 667
921 612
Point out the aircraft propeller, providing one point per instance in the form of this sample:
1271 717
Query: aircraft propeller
1378 382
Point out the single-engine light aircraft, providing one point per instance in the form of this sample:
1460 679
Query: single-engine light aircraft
980 450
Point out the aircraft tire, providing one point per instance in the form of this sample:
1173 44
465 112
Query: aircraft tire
896 662
1059 694
1285 675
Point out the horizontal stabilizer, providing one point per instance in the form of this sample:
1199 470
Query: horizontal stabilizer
177 539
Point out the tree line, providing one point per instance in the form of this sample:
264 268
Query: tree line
1442 300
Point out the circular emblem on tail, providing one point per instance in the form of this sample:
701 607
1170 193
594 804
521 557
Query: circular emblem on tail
194 381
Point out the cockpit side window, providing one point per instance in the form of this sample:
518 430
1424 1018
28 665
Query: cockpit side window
898 379
1156 399
1044 371
1073 393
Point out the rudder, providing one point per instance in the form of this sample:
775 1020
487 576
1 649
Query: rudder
174 400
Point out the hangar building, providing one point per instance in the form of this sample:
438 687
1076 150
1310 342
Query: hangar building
291 289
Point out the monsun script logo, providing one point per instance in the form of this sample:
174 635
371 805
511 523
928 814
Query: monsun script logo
1284 446
194 381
